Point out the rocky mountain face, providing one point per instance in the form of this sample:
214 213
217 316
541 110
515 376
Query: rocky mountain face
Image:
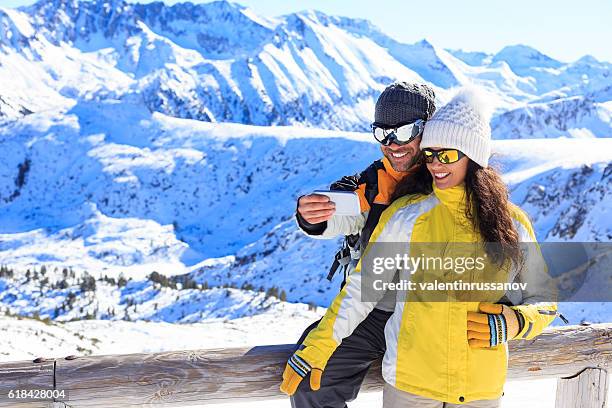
576 116
571 202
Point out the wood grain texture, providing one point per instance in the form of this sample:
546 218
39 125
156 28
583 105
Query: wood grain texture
589 389
192 377
25 375
561 352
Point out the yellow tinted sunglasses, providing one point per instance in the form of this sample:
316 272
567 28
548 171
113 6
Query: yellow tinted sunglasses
445 156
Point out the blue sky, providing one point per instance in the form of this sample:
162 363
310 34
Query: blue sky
563 29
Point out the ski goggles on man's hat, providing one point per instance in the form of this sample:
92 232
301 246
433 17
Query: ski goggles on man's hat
445 156
400 134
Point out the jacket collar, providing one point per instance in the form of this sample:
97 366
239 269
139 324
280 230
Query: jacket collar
396 175
453 198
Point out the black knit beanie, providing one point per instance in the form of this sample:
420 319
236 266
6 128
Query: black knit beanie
403 102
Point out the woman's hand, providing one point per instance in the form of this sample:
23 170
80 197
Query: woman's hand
495 324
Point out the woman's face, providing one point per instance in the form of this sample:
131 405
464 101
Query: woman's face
448 175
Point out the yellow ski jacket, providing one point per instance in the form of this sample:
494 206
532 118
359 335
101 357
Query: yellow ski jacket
427 348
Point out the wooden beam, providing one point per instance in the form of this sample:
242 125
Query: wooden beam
589 389
25 375
561 352
178 377
183 378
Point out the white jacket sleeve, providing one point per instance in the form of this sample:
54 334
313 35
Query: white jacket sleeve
339 225
350 307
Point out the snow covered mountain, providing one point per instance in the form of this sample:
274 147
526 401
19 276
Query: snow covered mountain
575 116
118 161
111 188
221 62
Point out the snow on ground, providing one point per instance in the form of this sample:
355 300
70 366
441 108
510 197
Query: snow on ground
23 339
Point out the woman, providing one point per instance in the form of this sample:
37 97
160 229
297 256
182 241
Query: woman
443 353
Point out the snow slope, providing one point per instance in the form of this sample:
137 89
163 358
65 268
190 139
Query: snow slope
26 338
137 192
576 117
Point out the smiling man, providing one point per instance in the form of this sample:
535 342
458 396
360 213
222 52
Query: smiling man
399 118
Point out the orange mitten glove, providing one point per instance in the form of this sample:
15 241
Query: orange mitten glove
295 371
495 324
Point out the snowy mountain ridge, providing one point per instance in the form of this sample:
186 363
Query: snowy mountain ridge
222 62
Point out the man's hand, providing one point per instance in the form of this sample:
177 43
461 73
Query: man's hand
316 208
294 373
494 325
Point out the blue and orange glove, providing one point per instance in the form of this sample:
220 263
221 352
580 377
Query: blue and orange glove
495 324
297 368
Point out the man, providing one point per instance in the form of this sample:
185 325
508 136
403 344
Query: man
399 118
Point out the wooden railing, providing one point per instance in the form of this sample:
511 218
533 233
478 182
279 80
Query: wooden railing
577 355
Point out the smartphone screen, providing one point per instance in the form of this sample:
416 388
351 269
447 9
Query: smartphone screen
347 202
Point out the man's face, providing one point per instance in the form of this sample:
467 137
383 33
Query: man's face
402 157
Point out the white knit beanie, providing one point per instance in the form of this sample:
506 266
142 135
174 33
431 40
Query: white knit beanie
462 124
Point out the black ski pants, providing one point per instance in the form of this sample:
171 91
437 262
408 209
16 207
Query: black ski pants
347 367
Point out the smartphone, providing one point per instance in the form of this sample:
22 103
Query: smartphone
347 202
